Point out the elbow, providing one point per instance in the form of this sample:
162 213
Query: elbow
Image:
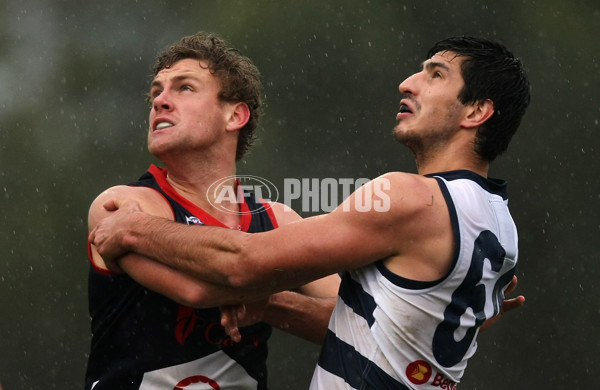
241 276
195 296
250 275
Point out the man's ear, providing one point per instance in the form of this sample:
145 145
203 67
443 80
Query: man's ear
239 115
478 114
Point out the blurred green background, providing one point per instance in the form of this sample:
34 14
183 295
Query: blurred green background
73 119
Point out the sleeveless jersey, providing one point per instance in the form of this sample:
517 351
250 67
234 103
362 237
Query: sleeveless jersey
389 332
143 340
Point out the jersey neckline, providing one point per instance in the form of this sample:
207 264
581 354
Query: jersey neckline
160 174
491 185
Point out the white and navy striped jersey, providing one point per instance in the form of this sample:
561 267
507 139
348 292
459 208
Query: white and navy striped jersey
389 332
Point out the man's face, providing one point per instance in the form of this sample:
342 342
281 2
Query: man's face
430 112
185 109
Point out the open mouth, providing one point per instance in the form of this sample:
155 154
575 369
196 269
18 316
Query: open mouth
163 125
404 109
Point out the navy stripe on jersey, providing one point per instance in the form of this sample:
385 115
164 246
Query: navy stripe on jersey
358 371
491 185
453 221
353 295
400 281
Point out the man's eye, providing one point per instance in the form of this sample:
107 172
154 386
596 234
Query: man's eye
437 75
151 96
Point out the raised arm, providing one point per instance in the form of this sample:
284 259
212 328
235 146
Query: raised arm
156 276
291 255
304 312
278 260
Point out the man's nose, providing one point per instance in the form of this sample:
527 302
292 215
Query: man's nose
408 86
162 101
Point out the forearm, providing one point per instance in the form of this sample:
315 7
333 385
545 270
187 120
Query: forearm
273 261
183 247
300 315
220 256
180 287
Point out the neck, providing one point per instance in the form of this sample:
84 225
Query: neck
451 158
193 181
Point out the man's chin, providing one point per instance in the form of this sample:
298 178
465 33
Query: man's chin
400 134
408 139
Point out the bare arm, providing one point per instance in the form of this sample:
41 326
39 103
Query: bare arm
266 262
300 315
304 313
156 276
182 288
292 312
277 260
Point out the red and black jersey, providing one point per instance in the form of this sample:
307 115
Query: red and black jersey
144 340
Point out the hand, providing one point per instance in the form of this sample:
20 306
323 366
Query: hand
109 234
235 316
507 304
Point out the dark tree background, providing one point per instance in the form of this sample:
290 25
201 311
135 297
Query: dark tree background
73 121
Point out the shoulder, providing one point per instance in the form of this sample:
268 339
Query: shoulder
120 190
418 227
396 205
149 200
408 183
97 210
403 193
140 194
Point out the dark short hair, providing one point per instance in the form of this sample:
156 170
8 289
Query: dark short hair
490 71
239 77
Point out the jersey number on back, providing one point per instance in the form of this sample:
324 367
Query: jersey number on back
471 294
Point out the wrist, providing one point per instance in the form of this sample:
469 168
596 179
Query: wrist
134 230
276 303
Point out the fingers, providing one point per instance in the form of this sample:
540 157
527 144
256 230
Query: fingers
229 321
512 286
507 304
111 205
241 311
511 304
235 334
92 236
118 203
227 316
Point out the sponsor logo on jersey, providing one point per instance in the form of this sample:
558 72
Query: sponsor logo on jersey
420 372
443 383
191 220
196 379
211 372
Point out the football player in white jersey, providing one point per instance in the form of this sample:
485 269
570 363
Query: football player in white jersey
425 258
